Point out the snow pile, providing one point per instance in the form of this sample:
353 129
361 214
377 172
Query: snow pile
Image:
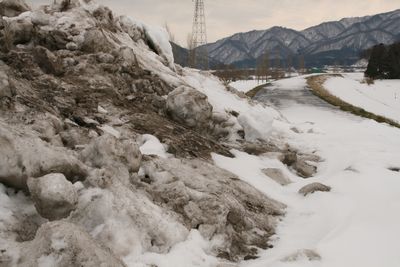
139 209
381 98
160 39
256 125
256 119
150 145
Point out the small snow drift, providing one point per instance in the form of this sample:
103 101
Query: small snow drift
256 126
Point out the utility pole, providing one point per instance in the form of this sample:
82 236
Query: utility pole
199 36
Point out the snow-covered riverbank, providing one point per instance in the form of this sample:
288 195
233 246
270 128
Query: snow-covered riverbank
356 224
381 98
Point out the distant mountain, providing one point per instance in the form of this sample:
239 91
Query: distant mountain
181 56
335 42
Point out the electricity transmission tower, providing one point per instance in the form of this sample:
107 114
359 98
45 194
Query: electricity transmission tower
199 37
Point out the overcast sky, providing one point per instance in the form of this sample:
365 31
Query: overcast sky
226 17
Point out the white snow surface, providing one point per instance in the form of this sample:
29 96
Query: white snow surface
356 224
150 145
381 98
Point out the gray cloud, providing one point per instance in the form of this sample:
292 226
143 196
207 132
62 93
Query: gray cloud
226 17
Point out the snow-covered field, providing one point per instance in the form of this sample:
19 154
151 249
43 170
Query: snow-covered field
245 85
356 224
381 98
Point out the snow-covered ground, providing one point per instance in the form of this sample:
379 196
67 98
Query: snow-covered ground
356 224
381 98
245 85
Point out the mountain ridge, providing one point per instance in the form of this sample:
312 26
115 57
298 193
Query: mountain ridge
328 43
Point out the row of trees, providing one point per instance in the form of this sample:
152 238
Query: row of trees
265 69
277 68
384 62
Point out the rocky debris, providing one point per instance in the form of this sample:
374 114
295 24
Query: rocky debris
214 201
128 26
394 169
95 41
47 61
277 175
107 150
125 218
19 31
64 244
260 148
12 8
70 61
48 126
189 106
54 196
23 157
76 136
105 58
227 265
5 88
305 165
314 187
308 254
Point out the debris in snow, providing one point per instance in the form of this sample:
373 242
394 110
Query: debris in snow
61 243
47 61
110 130
150 145
107 151
215 201
54 196
102 110
12 8
5 89
23 157
307 254
304 165
277 175
314 187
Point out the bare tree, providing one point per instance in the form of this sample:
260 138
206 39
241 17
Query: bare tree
191 50
289 64
302 64
265 66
